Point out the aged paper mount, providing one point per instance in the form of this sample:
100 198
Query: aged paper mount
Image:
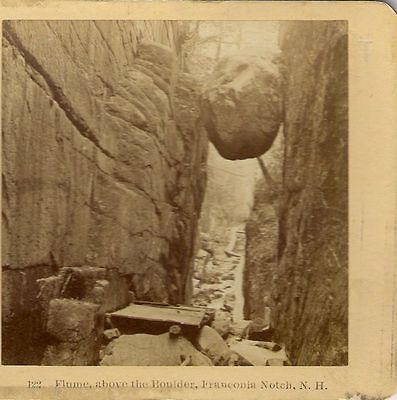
372 29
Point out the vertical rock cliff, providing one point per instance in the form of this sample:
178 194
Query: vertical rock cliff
103 178
261 252
309 288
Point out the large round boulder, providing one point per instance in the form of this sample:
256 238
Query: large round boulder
241 106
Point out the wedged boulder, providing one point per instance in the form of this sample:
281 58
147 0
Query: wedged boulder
241 106
148 350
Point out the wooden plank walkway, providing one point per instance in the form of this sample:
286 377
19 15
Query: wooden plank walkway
183 315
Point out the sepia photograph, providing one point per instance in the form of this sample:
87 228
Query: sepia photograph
175 193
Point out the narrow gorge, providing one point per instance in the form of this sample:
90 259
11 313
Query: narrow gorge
130 178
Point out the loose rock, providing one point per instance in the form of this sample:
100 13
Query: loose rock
211 343
151 350
222 323
111 334
175 331
71 320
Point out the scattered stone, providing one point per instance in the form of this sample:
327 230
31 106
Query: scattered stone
217 295
108 322
210 280
274 362
230 298
101 353
258 356
110 334
222 323
201 254
175 331
152 350
232 254
239 327
187 361
269 345
234 359
259 329
227 307
211 343
228 276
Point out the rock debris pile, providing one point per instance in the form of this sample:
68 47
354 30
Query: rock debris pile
211 332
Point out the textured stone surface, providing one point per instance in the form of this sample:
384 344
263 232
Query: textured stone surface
211 343
151 350
222 323
71 320
22 325
242 106
75 329
310 289
85 352
98 169
261 253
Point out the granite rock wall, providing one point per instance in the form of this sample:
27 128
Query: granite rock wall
103 163
309 286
